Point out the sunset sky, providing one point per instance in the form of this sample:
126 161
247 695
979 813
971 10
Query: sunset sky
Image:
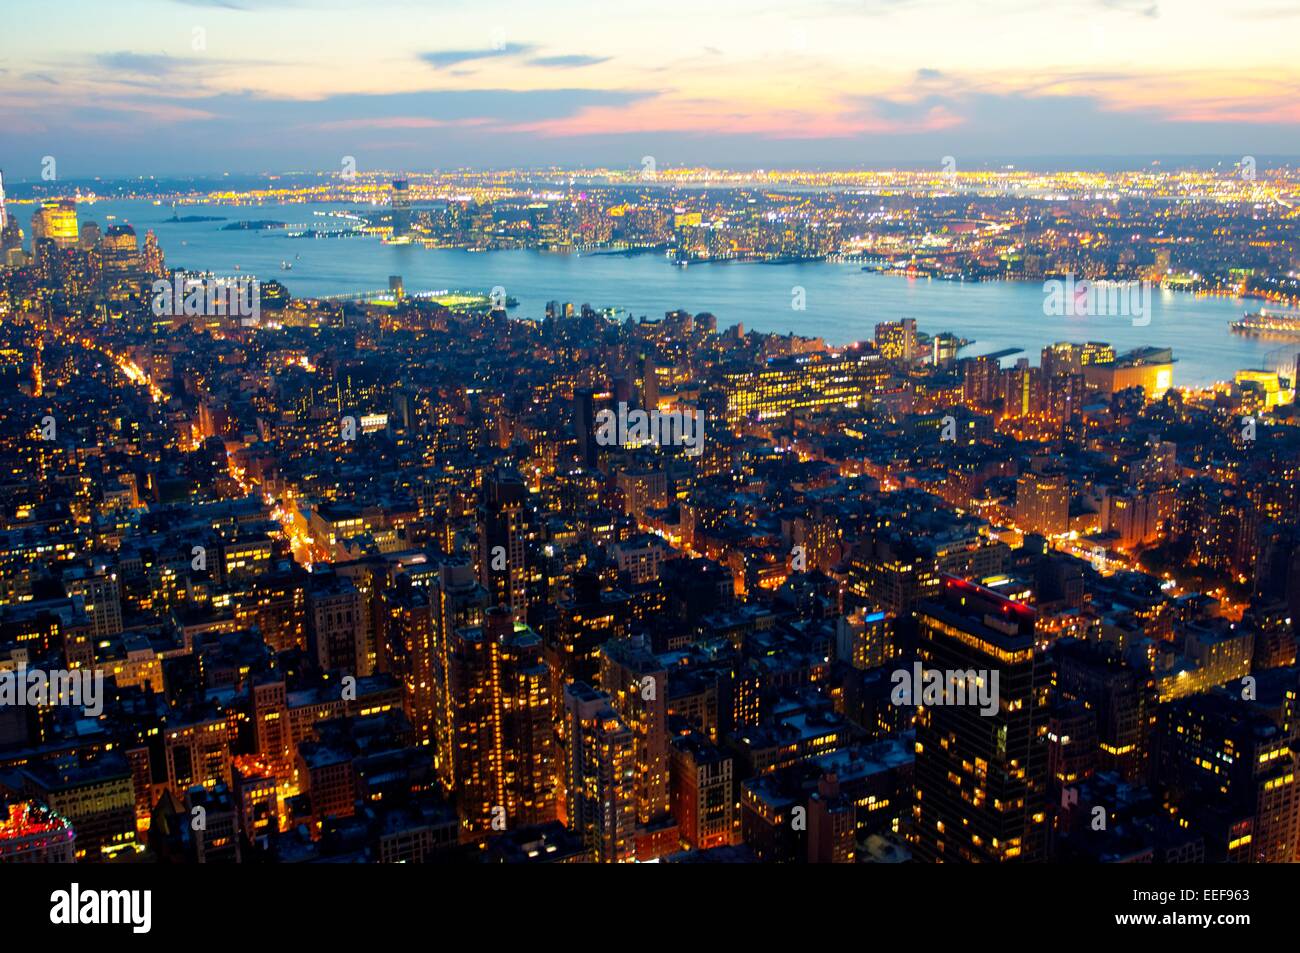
120 88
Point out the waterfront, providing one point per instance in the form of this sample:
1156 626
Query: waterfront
842 302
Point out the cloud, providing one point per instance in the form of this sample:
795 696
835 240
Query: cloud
571 61
152 64
440 59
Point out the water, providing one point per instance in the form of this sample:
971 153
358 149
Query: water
843 303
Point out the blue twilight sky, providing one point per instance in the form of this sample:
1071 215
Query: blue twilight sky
139 87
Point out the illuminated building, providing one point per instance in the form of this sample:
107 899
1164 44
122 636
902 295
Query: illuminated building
502 741
100 596
807 384
1233 773
461 603
501 520
864 639
1043 503
338 626
56 220
600 772
34 834
401 208
271 723
896 340
1150 368
1117 697
411 642
979 381
97 797
703 792
638 687
587 407
981 779
197 752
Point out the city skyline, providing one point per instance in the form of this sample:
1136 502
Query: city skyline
189 87
845 433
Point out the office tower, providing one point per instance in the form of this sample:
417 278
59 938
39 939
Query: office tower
401 209
637 685
56 220
4 215
981 770
600 775
501 540
502 740
338 626
1043 503
1232 773
587 405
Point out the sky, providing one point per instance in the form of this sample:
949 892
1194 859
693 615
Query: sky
159 87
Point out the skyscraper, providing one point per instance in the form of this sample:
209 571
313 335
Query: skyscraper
502 740
461 602
57 221
401 209
637 685
981 774
600 772
501 540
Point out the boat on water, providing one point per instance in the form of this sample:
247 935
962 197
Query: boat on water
1266 324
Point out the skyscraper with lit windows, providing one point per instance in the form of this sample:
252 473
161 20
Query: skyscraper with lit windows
981 778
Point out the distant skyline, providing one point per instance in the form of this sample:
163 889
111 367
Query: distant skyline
159 87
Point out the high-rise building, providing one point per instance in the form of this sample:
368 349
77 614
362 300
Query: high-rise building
56 220
502 739
981 770
703 791
587 405
637 685
401 209
1043 503
600 773
501 540
896 340
410 645
1232 772
338 626
460 604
